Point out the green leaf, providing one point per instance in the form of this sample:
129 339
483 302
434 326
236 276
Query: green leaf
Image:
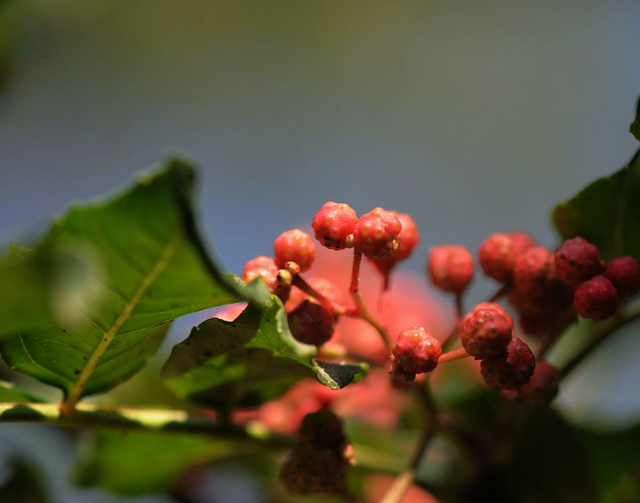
138 463
9 393
149 266
606 212
635 127
247 361
23 485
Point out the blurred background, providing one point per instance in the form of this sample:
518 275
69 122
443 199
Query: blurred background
474 117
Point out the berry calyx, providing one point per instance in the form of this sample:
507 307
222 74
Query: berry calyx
450 267
485 334
624 273
333 223
294 246
313 470
376 233
497 255
576 261
408 240
311 323
596 299
323 429
533 271
416 351
491 305
262 267
511 369
543 386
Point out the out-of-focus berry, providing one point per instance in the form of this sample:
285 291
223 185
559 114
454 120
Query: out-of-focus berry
511 369
311 323
294 246
543 386
408 240
262 267
624 273
450 267
576 261
596 299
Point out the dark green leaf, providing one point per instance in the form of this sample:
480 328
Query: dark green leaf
23 485
138 463
606 212
635 127
148 267
9 393
248 361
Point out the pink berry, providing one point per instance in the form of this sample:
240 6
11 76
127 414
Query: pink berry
485 334
450 267
333 223
596 299
311 323
624 273
543 386
312 470
533 271
408 240
491 305
262 267
576 261
521 242
295 246
497 255
417 351
376 233
511 369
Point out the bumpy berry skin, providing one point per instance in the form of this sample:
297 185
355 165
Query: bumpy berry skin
416 351
262 267
497 255
311 323
312 470
377 232
294 246
485 334
596 299
333 223
576 261
323 429
491 305
510 369
624 273
408 240
533 271
543 386
450 267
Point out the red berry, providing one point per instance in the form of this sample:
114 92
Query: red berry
397 371
624 273
262 267
450 267
491 305
376 233
533 271
596 299
323 429
576 261
311 323
497 255
543 386
417 351
312 470
333 223
408 240
295 246
521 242
485 334
511 369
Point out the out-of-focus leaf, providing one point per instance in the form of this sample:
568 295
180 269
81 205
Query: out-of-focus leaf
247 361
138 463
9 393
606 212
149 267
635 126
23 485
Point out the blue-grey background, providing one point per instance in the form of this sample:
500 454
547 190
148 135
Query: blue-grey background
474 117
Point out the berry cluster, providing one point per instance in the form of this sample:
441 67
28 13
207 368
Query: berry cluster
319 462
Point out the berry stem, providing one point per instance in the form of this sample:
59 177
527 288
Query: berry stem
459 308
363 310
630 314
457 354
500 292
403 482
299 282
